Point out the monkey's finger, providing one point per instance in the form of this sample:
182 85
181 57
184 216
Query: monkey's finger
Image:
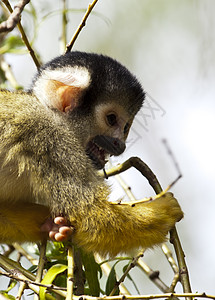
52 234
61 234
66 230
61 237
60 221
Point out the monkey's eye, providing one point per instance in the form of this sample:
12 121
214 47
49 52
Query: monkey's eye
126 128
111 119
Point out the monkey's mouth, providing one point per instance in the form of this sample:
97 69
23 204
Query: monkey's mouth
97 154
101 146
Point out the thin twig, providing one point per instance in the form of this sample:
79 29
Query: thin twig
170 258
79 276
174 267
126 188
152 275
27 281
175 280
81 26
137 163
41 264
25 253
9 265
7 252
183 270
31 284
22 287
106 268
16 271
9 74
130 266
70 275
63 38
24 37
169 151
146 297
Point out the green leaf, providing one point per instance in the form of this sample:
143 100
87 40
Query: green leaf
33 268
11 43
56 250
12 284
111 282
124 270
49 278
5 294
61 280
14 41
130 278
91 273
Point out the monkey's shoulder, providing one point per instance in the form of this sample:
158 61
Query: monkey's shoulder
7 94
27 126
16 101
25 121
20 107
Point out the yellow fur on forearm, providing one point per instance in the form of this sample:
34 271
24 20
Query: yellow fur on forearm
21 222
117 227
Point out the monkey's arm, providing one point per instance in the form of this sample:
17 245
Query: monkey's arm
22 222
111 229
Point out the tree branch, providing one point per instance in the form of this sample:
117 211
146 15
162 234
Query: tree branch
14 18
24 37
80 27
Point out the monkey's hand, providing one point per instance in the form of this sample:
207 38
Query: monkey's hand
58 229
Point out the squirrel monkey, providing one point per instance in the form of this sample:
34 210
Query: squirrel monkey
54 138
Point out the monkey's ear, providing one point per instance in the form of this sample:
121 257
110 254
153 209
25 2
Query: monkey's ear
62 88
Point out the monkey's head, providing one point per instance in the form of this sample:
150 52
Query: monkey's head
98 95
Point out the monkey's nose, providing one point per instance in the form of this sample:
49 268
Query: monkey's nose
119 146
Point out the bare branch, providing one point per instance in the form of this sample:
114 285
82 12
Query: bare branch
70 273
152 275
24 37
17 276
147 297
39 275
80 27
14 18
132 264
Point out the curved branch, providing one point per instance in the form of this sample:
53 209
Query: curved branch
14 18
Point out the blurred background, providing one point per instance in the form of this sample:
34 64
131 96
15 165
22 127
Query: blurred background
170 46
